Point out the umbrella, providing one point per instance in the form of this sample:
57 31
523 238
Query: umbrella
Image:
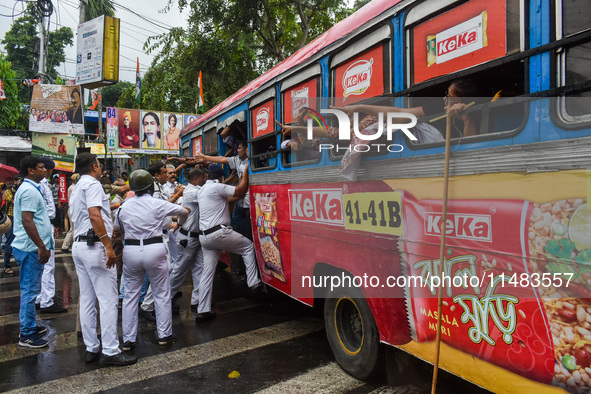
7 172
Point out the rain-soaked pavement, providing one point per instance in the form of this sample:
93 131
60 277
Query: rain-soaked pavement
277 346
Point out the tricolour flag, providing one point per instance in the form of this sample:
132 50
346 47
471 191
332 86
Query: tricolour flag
95 99
200 103
138 84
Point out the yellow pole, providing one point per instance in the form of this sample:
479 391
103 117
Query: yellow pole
442 253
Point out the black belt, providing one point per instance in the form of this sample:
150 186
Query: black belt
84 238
212 230
189 233
149 241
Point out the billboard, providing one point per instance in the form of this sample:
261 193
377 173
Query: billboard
56 109
263 119
150 136
360 77
58 147
97 52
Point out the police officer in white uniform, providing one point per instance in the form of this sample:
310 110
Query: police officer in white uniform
191 255
95 263
217 235
140 221
161 192
45 298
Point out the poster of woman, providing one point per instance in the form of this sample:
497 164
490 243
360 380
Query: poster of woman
174 124
129 127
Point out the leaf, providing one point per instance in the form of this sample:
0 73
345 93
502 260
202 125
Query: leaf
560 249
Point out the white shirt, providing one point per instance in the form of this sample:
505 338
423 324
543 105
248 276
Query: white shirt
48 197
142 217
89 193
163 193
213 204
191 201
235 163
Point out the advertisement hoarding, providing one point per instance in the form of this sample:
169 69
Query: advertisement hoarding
56 109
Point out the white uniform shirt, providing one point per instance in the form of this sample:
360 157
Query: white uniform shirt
89 193
213 204
235 163
163 193
48 197
191 201
142 216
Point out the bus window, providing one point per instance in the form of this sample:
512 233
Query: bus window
231 135
296 147
263 148
492 111
360 75
574 63
186 149
576 17
210 142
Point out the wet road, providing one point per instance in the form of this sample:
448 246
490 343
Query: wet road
276 346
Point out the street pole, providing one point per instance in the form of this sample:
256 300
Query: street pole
41 68
82 18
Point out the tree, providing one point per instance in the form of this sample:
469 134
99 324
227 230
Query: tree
232 42
112 93
12 112
21 43
96 8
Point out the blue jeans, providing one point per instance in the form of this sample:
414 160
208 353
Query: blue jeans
30 284
7 248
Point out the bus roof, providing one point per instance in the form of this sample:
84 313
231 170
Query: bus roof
335 33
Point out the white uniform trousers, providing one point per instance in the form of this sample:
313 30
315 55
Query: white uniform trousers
138 261
173 253
45 298
148 304
213 244
97 282
190 256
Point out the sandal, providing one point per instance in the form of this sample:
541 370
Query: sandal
8 271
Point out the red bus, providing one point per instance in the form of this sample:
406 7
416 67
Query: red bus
357 231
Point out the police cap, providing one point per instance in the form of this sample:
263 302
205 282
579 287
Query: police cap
140 180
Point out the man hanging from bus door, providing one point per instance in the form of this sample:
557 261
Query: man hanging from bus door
217 235
241 213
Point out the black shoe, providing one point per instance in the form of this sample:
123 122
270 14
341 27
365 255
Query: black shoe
128 345
148 315
205 316
194 307
41 330
259 288
53 309
169 340
92 357
119 359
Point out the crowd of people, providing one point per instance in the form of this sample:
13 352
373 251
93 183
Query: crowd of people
144 230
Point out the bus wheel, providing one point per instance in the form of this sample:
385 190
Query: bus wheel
352 332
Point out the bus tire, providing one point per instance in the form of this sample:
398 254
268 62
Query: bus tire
352 332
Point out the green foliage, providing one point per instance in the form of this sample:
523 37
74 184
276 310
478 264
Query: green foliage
127 97
12 113
231 42
112 93
96 8
21 43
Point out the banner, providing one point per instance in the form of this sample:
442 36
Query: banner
151 137
361 77
56 109
263 119
63 188
60 148
112 129
173 123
